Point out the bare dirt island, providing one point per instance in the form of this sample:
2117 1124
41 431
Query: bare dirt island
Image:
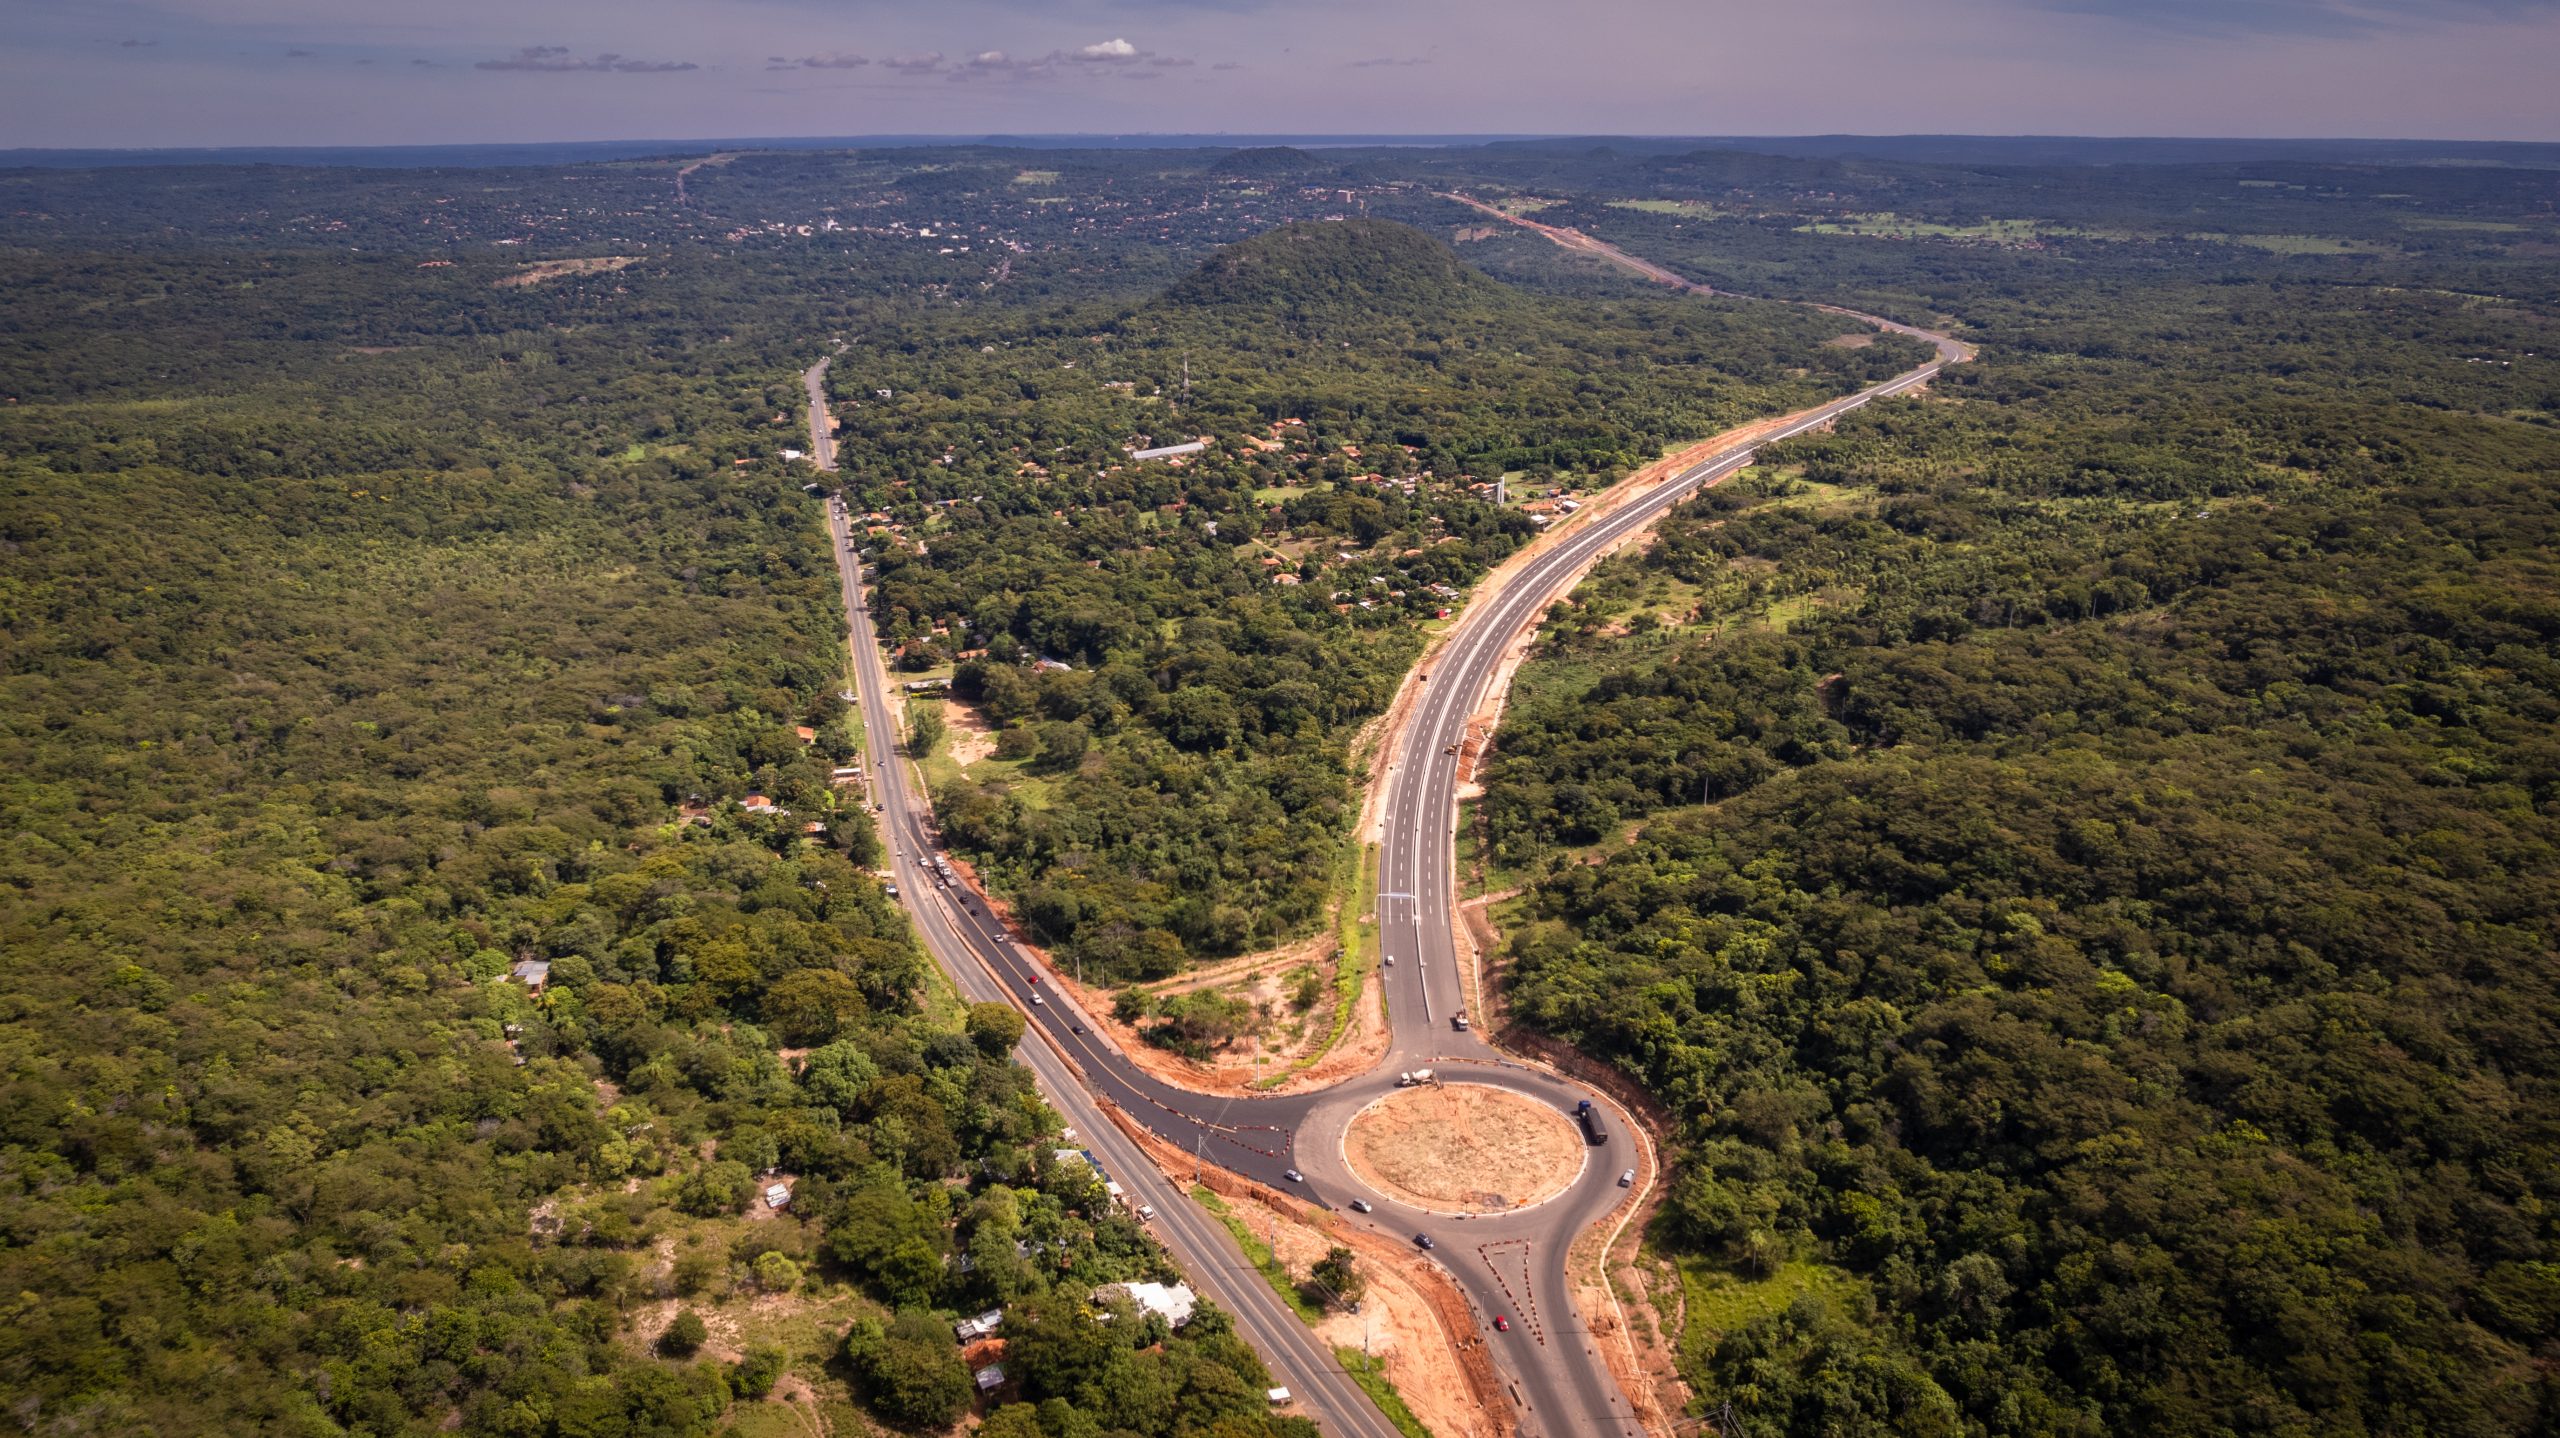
1464 1148
540 270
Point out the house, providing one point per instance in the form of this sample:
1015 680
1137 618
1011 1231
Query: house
1168 451
807 734
970 1330
532 973
776 1196
793 454
1173 1302
990 1378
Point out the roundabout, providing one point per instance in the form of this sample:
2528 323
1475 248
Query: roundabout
1463 1149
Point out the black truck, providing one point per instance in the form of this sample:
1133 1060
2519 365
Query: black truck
1592 1127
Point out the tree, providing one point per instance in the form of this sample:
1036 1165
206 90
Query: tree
910 1371
839 1075
684 1335
924 729
812 1006
759 1370
996 1027
1337 1275
714 1189
776 1273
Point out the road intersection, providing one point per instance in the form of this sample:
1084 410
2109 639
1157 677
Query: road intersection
1512 1262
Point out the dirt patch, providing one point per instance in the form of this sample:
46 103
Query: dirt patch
540 270
1233 1070
1854 340
971 738
1464 1147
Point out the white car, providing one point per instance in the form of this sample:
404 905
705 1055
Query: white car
1627 1179
1036 999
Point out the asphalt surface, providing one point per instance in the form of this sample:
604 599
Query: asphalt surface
1508 1263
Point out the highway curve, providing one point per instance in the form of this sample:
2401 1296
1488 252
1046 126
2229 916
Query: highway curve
1511 1263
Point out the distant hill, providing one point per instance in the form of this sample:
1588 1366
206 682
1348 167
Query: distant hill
1267 162
1371 265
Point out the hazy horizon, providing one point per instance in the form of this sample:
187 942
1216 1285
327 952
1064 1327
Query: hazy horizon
155 74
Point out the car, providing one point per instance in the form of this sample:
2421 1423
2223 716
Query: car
1361 1205
1035 978
1627 1179
1079 1028
1458 1022
1452 749
1391 961
1423 1240
1036 999
1501 1324
1425 678
890 888
1293 1175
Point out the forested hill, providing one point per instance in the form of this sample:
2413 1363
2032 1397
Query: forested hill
1337 267
1172 656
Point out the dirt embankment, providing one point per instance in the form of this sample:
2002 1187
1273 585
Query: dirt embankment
1413 1318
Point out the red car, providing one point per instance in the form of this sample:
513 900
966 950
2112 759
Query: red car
1501 1324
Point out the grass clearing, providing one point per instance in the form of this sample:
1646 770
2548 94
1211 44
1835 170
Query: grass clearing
1259 1254
1693 209
1371 1374
1886 225
1355 954
2296 244
2448 222
1719 1303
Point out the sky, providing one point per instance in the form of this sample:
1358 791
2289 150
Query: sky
117 73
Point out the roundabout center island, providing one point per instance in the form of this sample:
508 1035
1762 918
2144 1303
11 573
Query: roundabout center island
1464 1148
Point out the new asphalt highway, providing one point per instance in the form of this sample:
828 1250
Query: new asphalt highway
1510 1262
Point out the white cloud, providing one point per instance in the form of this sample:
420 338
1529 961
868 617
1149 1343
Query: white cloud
1110 51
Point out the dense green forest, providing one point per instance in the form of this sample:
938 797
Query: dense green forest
2078 854
372 629
1214 629
2106 984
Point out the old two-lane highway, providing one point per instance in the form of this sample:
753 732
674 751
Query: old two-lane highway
1511 1263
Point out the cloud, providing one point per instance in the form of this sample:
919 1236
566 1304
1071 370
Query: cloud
556 59
135 44
1226 65
1398 62
832 60
2297 17
926 63
1118 54
297 54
